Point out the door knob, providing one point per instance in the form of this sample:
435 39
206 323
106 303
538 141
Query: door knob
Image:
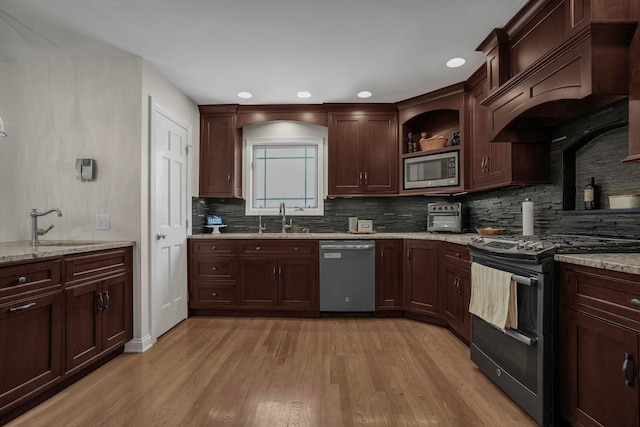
161 236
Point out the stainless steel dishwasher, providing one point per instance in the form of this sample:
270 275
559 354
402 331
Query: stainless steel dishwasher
347 276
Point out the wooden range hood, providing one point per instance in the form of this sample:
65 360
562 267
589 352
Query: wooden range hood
556 61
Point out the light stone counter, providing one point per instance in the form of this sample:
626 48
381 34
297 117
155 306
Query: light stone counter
626 263
22 250
461 239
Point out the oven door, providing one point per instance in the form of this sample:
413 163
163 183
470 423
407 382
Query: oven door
520 361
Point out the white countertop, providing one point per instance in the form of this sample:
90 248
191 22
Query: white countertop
22 250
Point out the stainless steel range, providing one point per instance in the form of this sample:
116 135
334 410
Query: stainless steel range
521 361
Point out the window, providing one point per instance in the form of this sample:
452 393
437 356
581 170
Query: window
285 170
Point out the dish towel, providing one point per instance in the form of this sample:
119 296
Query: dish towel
494 296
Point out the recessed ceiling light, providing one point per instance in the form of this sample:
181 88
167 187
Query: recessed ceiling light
244 95
364 94
455 62
304 95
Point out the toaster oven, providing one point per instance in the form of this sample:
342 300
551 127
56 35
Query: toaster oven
444 217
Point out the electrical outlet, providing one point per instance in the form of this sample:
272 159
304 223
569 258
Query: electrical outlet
103 222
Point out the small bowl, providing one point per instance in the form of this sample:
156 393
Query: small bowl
489 231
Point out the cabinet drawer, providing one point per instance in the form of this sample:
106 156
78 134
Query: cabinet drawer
606 294
213 246
95 264
28 277
456 252
219 268
279 247
214 294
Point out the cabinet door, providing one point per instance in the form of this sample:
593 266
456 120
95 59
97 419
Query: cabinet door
489 163
116 312
257 281
220 156
421 277
83 328
596 351
452 304
389 275
298 282
379 150
31 345
345 162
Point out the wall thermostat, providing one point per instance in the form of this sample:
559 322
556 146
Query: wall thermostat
85 169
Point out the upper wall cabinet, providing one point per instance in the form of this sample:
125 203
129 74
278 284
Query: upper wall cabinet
220 152
438 113
363 150
557 60
498 164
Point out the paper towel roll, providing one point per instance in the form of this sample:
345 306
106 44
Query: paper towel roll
527 218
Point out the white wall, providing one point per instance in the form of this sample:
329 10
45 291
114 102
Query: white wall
57 111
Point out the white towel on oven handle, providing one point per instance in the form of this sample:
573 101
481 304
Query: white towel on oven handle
494 296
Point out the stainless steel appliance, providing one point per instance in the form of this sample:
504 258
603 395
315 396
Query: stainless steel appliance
347 276
432 170
444 217
521 361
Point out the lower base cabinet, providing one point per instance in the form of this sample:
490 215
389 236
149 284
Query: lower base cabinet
421 275
389 276
60 317
599 347
455 288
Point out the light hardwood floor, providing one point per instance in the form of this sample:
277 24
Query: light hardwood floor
287 372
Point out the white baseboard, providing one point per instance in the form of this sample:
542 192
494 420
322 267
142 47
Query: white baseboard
139 345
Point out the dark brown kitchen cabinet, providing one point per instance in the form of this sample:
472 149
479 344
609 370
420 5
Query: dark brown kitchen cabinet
98 305
389 275
30 331
277 274
600 346
213 266
421 279
455 286
363 153
220 153
498 164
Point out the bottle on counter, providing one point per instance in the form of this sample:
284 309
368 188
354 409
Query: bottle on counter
591 195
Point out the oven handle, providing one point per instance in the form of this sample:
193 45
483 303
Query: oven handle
529 281
521 337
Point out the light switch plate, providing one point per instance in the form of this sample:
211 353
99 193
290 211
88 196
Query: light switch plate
103 222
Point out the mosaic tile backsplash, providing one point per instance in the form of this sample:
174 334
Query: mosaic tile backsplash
600 158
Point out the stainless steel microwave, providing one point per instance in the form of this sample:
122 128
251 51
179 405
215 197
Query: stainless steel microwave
432 170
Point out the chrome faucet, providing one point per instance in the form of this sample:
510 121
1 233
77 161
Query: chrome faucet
35 231
283 212
261 227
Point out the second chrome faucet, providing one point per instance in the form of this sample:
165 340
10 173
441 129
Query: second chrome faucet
35 231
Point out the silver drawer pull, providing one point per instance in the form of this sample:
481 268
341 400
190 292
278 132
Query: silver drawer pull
213 248
22 307
635 302
215 294
215 268
257 248
22 280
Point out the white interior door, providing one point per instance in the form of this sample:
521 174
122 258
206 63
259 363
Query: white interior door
168 219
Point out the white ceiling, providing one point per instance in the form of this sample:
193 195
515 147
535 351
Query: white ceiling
213 49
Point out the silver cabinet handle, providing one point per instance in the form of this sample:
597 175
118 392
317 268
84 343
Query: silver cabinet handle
274 273
100 301
228 178
22 307
161 236
22 280
366 178
635 302
106 300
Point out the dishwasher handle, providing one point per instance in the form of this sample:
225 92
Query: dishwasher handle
337 246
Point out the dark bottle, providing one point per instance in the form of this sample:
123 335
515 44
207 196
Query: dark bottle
590 195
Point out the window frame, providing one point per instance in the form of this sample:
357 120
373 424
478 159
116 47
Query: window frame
250 143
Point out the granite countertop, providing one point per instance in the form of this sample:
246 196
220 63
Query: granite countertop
625 262
22 250
458 238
